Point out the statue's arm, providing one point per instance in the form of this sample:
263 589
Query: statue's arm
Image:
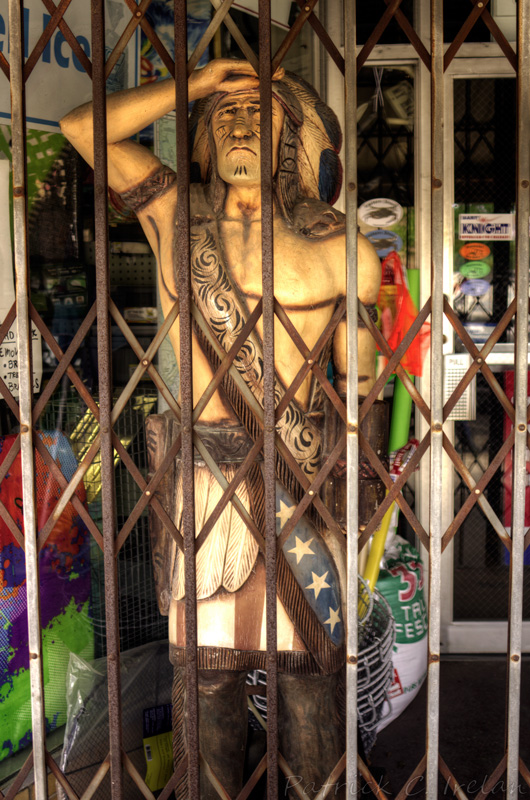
368 282
134 109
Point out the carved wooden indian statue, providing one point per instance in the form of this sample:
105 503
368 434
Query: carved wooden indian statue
309 283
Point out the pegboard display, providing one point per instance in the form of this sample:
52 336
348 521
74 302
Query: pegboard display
130 263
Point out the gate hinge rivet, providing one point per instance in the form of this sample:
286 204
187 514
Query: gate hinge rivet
437 183
24 429
145 362
307 8
351 659
434 657
147 493
33 655
522 427
310 361
477 491
515 658
352 427
437 427
480 360
138 14
525 184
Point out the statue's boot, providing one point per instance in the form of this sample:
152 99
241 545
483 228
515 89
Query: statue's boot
311 732
223 720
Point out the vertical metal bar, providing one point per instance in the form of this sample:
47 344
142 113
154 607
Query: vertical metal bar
521 399
267 256
105 396
435 525
352 400
182 266
18 132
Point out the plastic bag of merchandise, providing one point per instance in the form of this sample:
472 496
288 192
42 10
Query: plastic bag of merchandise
401 584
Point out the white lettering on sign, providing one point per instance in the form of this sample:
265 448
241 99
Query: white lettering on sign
486 227
59 81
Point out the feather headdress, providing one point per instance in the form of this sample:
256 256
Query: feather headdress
311 135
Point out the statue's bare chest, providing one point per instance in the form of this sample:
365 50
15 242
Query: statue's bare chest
297 262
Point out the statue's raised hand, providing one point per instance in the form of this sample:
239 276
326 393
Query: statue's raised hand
227 75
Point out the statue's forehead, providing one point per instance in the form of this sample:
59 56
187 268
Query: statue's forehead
241 99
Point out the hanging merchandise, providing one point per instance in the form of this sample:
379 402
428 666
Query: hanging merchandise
398 313
64 572
401 584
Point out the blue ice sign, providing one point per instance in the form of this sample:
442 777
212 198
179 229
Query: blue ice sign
58 81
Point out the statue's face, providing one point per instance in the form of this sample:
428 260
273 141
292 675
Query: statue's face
236 130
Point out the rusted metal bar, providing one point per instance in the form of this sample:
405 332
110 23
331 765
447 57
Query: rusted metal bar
105 397
4 391
65 363
147 497
470 483
69 491
500 38
400 372
227 361
352 397
228 494
377 33
311 493
137 778
522 247
208 34
370 780
126 35
60 778
495 777
21 777
477 492
94 784
70 38
145 358
154 39
292 34
24 339
238 38
244 794
311 357
408 788
525 772
182 270
325 39
461 36
451 781
436 399
4 66
175 778
269 411
394 493
63 483
44 38
483 352
412 37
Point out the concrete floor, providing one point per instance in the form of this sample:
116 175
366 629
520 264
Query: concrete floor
472 730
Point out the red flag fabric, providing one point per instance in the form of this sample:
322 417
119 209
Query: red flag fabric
398 312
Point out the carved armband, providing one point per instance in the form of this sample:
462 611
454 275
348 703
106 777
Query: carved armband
154 186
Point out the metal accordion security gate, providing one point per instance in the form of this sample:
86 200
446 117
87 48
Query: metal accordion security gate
423 28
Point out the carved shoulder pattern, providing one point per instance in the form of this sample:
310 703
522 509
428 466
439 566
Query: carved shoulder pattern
152 187
316 220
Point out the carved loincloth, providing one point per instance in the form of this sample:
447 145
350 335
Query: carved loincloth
308 580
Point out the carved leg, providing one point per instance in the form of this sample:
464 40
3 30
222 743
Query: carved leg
223 721
311 731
